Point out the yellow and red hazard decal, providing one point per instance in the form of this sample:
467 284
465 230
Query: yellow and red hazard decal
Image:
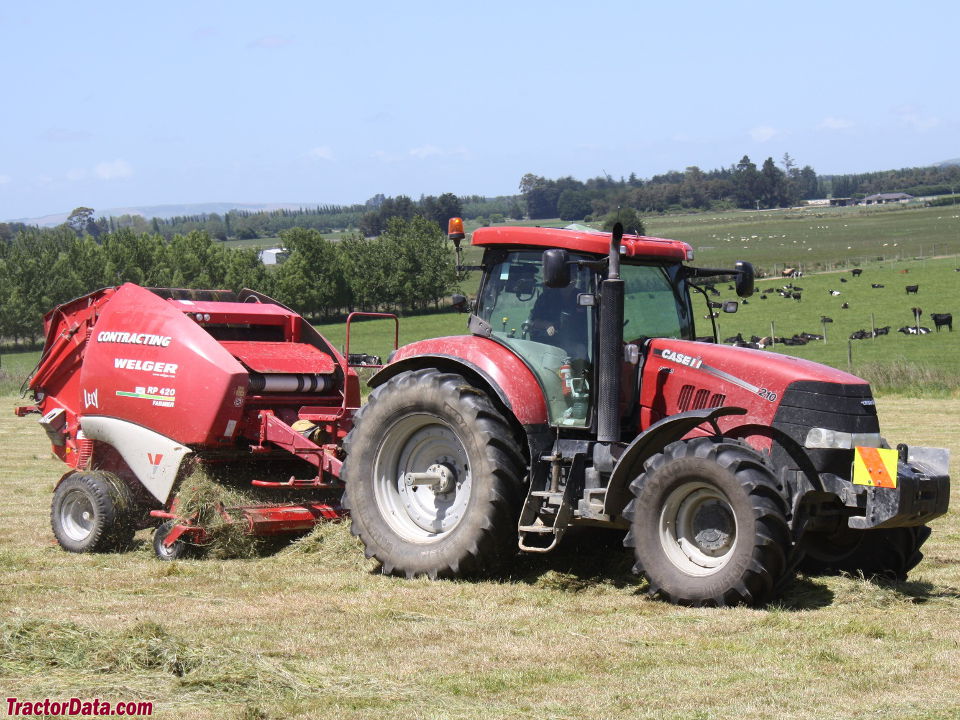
876 467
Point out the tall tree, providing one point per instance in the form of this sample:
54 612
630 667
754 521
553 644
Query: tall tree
79 218
746 182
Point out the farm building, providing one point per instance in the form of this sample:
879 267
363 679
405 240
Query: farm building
883 198
273 256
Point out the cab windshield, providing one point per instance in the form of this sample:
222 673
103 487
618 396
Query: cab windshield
654 303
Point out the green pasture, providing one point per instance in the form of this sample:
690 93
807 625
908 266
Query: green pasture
815 239
939 292
14 368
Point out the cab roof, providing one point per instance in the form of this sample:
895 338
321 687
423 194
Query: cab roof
579 240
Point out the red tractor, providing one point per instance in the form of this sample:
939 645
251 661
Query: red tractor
584 397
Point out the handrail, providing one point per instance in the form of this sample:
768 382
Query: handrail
396 332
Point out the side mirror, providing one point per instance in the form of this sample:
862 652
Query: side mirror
744 282
459 302
556 270
730 306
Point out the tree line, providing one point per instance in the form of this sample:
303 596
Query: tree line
922 181
408 268
742 185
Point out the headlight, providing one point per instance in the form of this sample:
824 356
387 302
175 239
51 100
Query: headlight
822 438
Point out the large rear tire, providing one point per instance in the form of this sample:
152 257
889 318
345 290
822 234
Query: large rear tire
708 525
462 523
888 552
93 512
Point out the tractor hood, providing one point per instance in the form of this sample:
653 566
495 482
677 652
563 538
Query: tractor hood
681 375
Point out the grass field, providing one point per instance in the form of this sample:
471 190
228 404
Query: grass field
313 632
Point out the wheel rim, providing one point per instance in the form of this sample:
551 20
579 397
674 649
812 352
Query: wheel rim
698 529
166 551
418 444
77 515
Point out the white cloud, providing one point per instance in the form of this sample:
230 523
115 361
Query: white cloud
271 42
321 153
915 118
763 133
5 179
426 151
113 170
835 123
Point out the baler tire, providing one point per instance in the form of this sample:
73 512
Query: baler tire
709 526
178 551
423 419
889 553
93 511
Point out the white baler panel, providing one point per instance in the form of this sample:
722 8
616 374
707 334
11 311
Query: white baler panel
153 458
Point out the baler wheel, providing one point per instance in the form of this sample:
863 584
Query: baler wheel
460 515
92 512
888 552
177 551
708 525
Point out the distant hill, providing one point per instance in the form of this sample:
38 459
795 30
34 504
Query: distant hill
165 211
948 163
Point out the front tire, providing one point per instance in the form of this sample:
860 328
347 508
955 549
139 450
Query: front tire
708 525
92 512
465 522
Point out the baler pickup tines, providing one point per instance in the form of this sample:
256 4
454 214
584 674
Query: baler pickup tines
256 520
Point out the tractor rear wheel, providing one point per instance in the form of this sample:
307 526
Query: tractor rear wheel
708 525
433 474
92 512
888 552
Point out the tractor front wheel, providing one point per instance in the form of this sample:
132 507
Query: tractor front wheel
92 512
433 475
708 524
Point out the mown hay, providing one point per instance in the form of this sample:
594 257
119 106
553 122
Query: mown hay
34 646
333 545
209 492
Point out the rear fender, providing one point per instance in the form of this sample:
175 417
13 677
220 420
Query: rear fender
501 373
650 442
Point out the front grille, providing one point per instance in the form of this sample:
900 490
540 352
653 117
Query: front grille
806 404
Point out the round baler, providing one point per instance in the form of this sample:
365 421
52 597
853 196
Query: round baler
134 382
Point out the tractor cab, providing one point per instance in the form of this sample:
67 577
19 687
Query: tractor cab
545 308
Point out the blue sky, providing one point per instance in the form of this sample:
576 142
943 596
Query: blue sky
113 104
